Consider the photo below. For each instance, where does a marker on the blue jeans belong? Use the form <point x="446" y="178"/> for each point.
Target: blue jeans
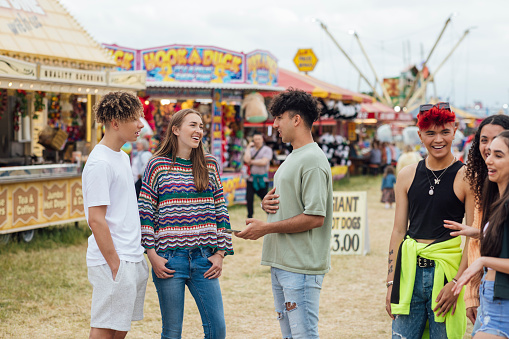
<point x="297" y="299"/>
<point x="189" y="266"/>
<point x="412" y="326"/>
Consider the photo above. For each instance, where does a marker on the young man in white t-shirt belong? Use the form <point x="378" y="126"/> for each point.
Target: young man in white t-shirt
<point x="117" y="268"/>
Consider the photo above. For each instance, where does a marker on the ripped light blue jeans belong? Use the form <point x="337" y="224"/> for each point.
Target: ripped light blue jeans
<point x="296" y="300"/>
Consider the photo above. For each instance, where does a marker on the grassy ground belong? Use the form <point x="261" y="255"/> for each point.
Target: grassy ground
<point x="45" y="293"/>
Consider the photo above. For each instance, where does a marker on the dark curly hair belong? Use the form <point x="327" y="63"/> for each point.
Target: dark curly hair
<point x="121" y="106"/>
<point x="477" y="171"/>
<point x="296" y="101"/>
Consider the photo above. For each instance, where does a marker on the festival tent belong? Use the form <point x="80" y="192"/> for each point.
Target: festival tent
<point x="34" y="31"/>
<point x="319" y="88"/>
<point x="380" y="112"/>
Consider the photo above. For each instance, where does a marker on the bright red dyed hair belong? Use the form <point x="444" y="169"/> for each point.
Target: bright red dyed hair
<point x="434" y="117"/>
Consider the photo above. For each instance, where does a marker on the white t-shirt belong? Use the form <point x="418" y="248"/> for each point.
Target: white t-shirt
<point x="107" y="180"/>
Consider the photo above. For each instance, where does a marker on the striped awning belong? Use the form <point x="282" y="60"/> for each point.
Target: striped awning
<point x="319" y="88"/>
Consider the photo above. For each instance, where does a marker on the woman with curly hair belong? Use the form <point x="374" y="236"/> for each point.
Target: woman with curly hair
<point x="476" y="174"/>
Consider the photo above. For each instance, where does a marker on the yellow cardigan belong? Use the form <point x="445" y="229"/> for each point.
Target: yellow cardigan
<point x="447" y="257"/>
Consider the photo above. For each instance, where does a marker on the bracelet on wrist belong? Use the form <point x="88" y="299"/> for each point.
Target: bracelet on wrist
<point x="454" y="281"/>
<point x="220" y="254"/>
<point x="389" y="283"/>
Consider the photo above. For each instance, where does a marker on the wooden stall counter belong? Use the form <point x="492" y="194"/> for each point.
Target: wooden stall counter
<point x="38" y="196"/>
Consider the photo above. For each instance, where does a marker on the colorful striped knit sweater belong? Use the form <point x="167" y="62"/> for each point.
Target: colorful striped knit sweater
<point x="174" y="215"/>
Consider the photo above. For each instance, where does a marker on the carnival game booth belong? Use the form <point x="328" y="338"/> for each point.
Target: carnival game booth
<point x="51" y="74"/>
<point x="375" y="121"/>
<point x="335" y="127"/>
<point x="214" y="81"/>
<point x="374" y="114"/>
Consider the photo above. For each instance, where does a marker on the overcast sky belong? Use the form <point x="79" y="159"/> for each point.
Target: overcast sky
<point x="394" y="34"/>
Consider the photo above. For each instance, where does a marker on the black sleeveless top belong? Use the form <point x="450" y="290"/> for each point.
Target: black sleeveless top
<point x="428" y="212"/>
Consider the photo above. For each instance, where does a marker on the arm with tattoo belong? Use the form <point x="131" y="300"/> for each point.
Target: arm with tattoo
<point x="400" y="227"/>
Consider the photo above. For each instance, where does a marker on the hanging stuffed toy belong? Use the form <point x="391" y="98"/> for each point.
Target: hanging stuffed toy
<point x="254" y="108"/>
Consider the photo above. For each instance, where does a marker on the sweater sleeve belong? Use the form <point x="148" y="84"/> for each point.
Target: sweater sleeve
<point x="147" y="204"/>
<point x="224" y="240"/>
<point x="474" y="252"/>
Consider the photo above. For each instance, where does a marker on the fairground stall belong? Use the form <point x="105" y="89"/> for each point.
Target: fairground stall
<point x="217" y="82"/>
<point x="335" y="128"/>
<point x="375" y="121"/>
<point x="51" y="74"/>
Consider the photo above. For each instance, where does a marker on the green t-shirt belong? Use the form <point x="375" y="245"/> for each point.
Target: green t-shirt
<point x="304" y="183"/>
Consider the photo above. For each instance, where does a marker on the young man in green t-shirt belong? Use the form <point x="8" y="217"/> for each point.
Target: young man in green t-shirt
<point x="298" y="230"/>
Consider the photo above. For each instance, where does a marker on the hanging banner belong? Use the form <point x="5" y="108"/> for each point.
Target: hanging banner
<point x="234" y="188"/>
<point x="216" y="135"/>
<point x="350" y="223"/>
<point x="392" y="87"/>
<point x="125" y="58"/>
<point x="262" y="68"/>
<point x="193" y="64"/>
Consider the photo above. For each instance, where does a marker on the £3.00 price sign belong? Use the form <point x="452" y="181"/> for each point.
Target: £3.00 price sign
<point x="350" y="223"/>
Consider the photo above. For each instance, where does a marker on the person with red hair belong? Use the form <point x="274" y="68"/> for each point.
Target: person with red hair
<point x="425" y="261"/>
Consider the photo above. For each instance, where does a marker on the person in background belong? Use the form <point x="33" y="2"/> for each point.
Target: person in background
<point x="493" y="312"/>
<point x="375" y="156"/>
<point x="117" y="268"/>
<point x="388" y="181"/>
<point x="297" y="233"/>
<point x="476" y="175"/>
<point x="139" y="162"/>
<point x="388" y="154"/>
<point x="184" y="224"/>
<point x="257" y="157"/>
<point x="409" y="157"/>
<point x="395" y="154"/>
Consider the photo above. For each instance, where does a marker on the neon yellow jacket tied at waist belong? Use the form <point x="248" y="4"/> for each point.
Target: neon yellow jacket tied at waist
<point x="447" y="257"/>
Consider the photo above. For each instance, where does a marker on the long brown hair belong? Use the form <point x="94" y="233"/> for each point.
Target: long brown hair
<point x="169" y="146"/>
<point x="495" y="211"/>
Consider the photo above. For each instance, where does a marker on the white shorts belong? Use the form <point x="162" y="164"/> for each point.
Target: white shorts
<point x="115" y="303"/>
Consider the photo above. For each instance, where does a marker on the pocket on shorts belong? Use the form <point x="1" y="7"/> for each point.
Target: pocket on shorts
<point x="488" y="291"/>
<point x="119" y="272"/>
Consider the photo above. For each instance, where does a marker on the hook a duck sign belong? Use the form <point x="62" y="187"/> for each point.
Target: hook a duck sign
<point x="187" y="63"/>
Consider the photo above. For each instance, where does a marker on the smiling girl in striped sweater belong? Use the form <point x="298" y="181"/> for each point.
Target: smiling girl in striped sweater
<point x="183" y="220"/>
